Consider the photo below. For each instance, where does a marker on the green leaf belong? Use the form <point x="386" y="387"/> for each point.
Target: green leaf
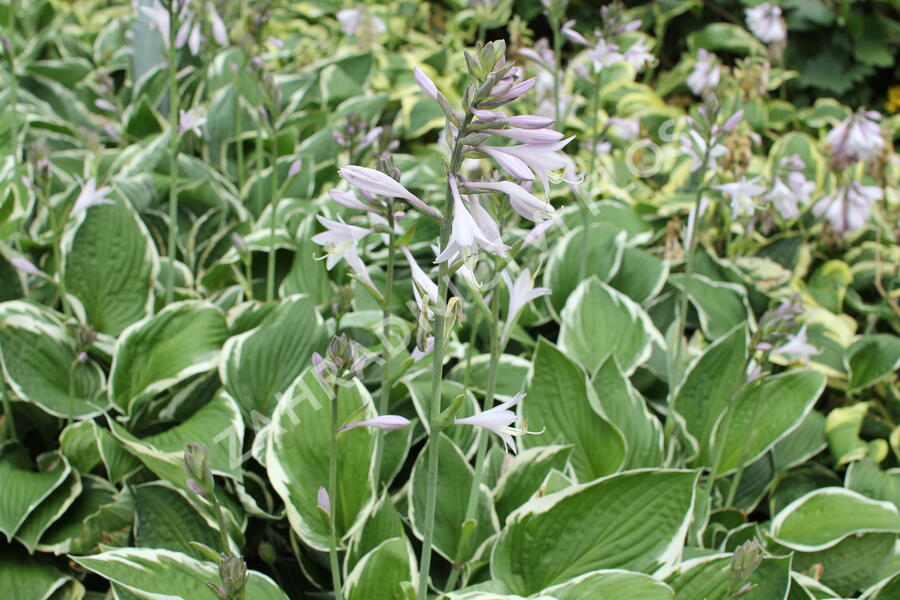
<point x="522" y="479"/>
<point x="763" y="415"/>
<point x="381" y="571"/>
<point x="720" y="306"/>
<point x="710" y="383"/>
<point x="801" y="525"/>
<point x="559" y="402"/>
<point x="709" y="577"/>
<point x="49" y="511"/>
<point x="297" y="455"/>
<point x="454" y="483"/>
<point x="842" y="427"/>
<point x="381" y="523"/>
<point x="612" y="584"/>
<point x="641" y="275"/>
<point x="604" y="246"/>
<point x="728" y="37"/>
<point x="38" y="354"/>
<point x="867" y="478"/>
<point x="871" y="358"/>
<point x="828" y="285"/>
<point x="512" y="372"/>
<point x="599" y="321"/>
<point x="260" y="364"/>
<point x="24" y="489"/>
<point x="638" y="521"/>
<point x="165" y="519"/>
<point x="110" y="265"/>
<point x="855" y="563"/>
<point x="183" y="339"/>
<point x="166" y="574"/>
<point x="24" y="577"/>
<point x="625" y="408"/>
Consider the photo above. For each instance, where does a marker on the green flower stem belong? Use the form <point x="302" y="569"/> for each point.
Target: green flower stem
<point x="472" y="503"/>
<point x="173" y="151"/>
<point x="384" y="399"/>
<point x="13" y="93"/>
<point x="332" y="493"/>
<point x="276" y="198"/>
<point x="220" y="519"/>
<point x="437" y="366"/>
<point x="56" y="233"/>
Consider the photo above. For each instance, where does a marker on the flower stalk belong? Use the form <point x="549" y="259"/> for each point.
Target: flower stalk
<point x="172" y="52"/>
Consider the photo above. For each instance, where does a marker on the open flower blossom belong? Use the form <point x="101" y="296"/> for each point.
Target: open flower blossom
<point x="766" y="22"/>
<point x="355" y="21"/>
<point x="341" y="240"/>
<point x="188" y="121"/>
<point x="523" y="202"/>
<point x="375" y="182"/>
<point x="384" y="422"/>
<point x="521" y="292"/>
<point x="189" y="32"/>
<point x="797" y="346"/>
<point x="90" y="196"/>
<point x="525" y="161"/>
<point x="787" y="197"/>
<point x="849" y="207"/>
<point x="423" y="286"/>
<point x="498" y="420"/>
<point x="638" y="55"/>
<point x="467" y="235"/>
<point x="856" y="138"/>
<point x="741" y="193"/>
<point x="26" y="266"/>
<point x="706" y="74"/>
<point x="694" y="146"/>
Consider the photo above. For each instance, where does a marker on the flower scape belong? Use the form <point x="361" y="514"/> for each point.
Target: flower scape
<point x="488" y="300"/>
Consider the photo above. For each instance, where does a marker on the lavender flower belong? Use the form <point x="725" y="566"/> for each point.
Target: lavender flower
<point x="521" y="292"/>
<point x="385" y="423"/>
<point x="323" y="501"/>
<point x="467" y="235"/>
<point x="706" y="74"/>
<point x="638" y="54"/>
<point x="523" y="202"/>
<point x="90" y="196"/>
<point x="694" y="146"/>
<point x="797" y="346"/>
<point x="340" y="241"/>
<point x="26" y="266"/>
<point x="187" y="121"/>
<point x="526" y="160"/>
<point x="741" y="193"/>
<point x="766" y="23"/>
<point x="849" y="207"/>
<point x="359" y="20"/>
<point x="498" y="421"/>
<point x="375" y="182"/>
<point x="856" y="138"/>
<point x="786" y="197"/>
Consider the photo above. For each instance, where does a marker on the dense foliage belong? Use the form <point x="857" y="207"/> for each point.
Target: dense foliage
<point x="468" y="300"/>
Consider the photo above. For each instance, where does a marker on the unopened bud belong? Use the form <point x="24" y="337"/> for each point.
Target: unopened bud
<point x="196" y="464"/>
<point x="747" y="557"/>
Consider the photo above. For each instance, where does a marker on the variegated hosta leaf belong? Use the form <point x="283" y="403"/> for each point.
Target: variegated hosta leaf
<point x="23" y="576"/>
<point x="24" y="488"/>
<point x="612" y="583"/>
<point x="709" y="577"/>
<point x="381" y="572"/>
<point x="183" y="339"/>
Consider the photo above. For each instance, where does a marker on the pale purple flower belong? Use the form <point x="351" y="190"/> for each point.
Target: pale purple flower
<point x="294" y="169"/>
<point x="189" y="33"/>
<point x="340" y="241"/>
<point x="529" y="122"/>
<point x="90" y="196"/>
<point x="858" y="137"/>
<point x="26" y="266"/>
<point x="695" y="146"/>
<point x="528" y="136"/>
<point x="159" y="18"/>
<point x="355" y="21"/>
<point x="348" y="200"/>
<point x="385" y="423"/>
<point x="425" y="83"/>
<point x="323" y="501"/>
<point x="731" y="123"/>
<point x="786" y="197"/>
<point x="219" y="31"/>
<point x="498" y="420"/>
<point x="604" y="54"/>
<point x="522" y="201"/>
<point x="423" y="286"/>
<point x="104" y="104"/>
<point x="627" y="129"/>
<point x="849" y="207"/>
<point x="706" y="74"/>
<point x="521" y="160"/>
<point x="521" y="292"/>
<point x="375" y="182"/>
<point x="766" y="23"/>
<point x="797" y="346"/>
<point x="741" y="193"/>
<point x="418" y="354"/>
<point x="466" y="235"/>
<point x="188" y="121"/>
<point x="638" y="55"/>
<point x="572" y="35"/>
<point x="538" y="233"/>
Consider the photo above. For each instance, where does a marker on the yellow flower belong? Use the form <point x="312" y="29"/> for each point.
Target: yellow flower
<point x="893" y="101"/>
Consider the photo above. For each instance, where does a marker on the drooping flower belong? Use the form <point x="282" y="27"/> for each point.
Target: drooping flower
<point x="787" y="197"/>
<point x="323" y="501"/>
<point x="706" y="74"/>
<point x="498" y="421"/>
<point x="522" y="160"/>
<point x="638" y="55"/>
<point x="385" y="423"/>
<point x="466" y="235"/>
<point x="26" y="266"/>
<point x="422" y="284"/>
<point x="219" y="31"/>
<point x="766" y="23"/>
<point x="849" y="207"/>
<point x="604" y="54"/>
<point x="340" y="240"/>
<point x="187" y="121"/>
<point x="797" y="346"/>
<point x="375" y="182"/>
<point x="90" y="196"/>
<point x="522" y="201"/>
<point x="521" y="292"/>
<point x="355" y="21"/>
<point x="742" y="193"/>
<point x="856" y="138"/>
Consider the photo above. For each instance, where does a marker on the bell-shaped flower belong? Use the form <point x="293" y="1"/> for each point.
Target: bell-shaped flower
<point x="423" y="286"/>
<point x="188" y="121"/>
<point x="638" y="55"/>
<point x="766" y="23"/>
<point x="787" y="197"/>
<point x="741" y="193"/>
<point x="384" y="422"/>
<point x="523" y="202"/>
<point x="858" y="137"/>
<point x="26" y="266"/>
<point x="359" y="20"/>
<point x="521" y="161"/>
<point x="340" y="240"/>
<point x="219" y="31"/>
<point x="189" y="33"/>
<point x="375" y="182"/>
<point x="849" y="207"/>
<point x="528" y="136"/>
<point x="425" y="83"/>
<point x="498" y="420"/>
<point x="797" y="346"/>
<point x="706" y="74"/>
<point x="467" y="235"/>
<point x="90" y="196"/>
<point x="604" y="54"/>
<point x="521" y="292"/>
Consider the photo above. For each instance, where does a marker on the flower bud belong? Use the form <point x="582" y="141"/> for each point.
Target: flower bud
<point x="747" y="557"/>
<point x="196" y="464"/>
